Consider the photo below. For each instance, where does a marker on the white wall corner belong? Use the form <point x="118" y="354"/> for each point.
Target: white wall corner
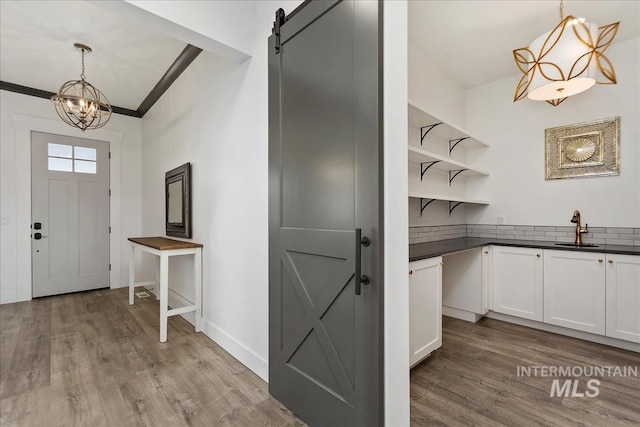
<point x="396" y="245"/>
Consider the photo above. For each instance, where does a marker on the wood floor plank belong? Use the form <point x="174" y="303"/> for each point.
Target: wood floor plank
<point x="473" y="379"/>
<point x="11" y="316"/>
<point x="30" y="366"/>
<point x="31" y="408"/>
<point x="90" y="359"/>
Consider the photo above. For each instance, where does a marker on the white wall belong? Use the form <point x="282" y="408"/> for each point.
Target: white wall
<point x="434" y="89"/>
<point x="396" y="238"/>
<point x="443" y="97"/>
<point x="517" y="188"/>
<point x="216" y="117"/>
<point x="19" y="115"/>
<point x="216" y="26"/>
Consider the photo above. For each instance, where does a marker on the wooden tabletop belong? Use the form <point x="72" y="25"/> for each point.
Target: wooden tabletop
<point x="164" y="244"/>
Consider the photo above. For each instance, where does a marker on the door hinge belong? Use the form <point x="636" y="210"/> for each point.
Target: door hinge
<point x="280" y="19"/>
<point x="109" y="267"/>
<point x="109" y="229"/>
<point x="109" y="155"/>
<point x="109" y="192"/>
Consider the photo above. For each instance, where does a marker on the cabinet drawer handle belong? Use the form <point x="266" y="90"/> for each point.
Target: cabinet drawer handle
<point x="538" y="255"/>
<point x="600" y="259"/>
<point x="486" y="252"/>
<point x="410" y="272"/>
<point x="610" y="261"/>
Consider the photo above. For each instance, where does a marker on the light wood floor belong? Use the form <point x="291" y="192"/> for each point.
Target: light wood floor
<point x="472" y="380"/>
<point x="90" y="359"/>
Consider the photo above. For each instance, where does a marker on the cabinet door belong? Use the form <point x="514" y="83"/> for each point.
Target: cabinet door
<point x="623" y="297"/>
<point x="517" y="282"/>
<point x="462" y="281"/>
<point x="425" y="307"/>
<point x="574" y="290"/>
<point x="486" y="281"/>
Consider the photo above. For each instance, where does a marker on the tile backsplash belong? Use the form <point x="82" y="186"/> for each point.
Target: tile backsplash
<point x="601" y="235"/>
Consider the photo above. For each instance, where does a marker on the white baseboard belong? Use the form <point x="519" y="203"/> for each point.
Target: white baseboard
<point x="241" y="352"/>
<point x="613" y="342"/>
<point x="460" y="314"/>
<point x="245" y="355"/>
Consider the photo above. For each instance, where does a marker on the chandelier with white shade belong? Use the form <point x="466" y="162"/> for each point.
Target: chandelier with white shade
<point x="565" y="61"/>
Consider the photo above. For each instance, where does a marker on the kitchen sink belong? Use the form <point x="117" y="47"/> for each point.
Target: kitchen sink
<point x="581" y="245"/>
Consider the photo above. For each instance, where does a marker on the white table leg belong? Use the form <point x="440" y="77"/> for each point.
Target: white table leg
<point x="164" y="295"/>
<point x="132" y="271"/>
<point x="157" y="284"/>
<point x="197" y="276"/>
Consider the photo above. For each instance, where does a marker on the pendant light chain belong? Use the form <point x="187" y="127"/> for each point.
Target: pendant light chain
<point x="561" y="11"/>
<point x="82" y="74"/>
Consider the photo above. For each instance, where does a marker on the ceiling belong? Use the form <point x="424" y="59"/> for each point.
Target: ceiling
<point x="36" y="47"/>
<point x="471" y="40"/>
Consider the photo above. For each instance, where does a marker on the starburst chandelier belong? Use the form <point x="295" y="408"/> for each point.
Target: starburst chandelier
<point x="79" y="103"/>
<point x="565" y="61"/>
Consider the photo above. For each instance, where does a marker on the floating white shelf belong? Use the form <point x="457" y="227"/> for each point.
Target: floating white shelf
<point x="420" y="118"/>
<point x="417" y="195"/>
<point x="418" y="155"/>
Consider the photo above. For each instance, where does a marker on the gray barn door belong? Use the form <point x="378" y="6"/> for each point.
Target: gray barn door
<point x="325" y="320"/>
<point x="70" y="214"/>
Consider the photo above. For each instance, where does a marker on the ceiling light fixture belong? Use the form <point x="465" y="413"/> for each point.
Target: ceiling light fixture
<point x="565" y="61"/>
<point x="79" y="103"/>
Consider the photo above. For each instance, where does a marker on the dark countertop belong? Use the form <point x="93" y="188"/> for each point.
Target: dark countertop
<point x="420" y="251"/>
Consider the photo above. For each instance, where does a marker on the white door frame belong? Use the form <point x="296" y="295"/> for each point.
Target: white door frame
<point x="24" y="125"/>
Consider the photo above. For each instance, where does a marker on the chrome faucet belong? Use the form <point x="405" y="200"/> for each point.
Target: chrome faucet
<point x="579" y="230"/>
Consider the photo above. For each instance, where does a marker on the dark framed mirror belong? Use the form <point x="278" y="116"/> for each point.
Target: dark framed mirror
<point x="177" y="192"/>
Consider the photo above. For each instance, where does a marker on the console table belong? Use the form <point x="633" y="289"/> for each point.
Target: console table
<point x="165" y="248"/>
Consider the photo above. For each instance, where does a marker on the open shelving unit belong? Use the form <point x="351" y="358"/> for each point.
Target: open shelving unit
<point x="426" y="199"/>
<point x="450" y="138"/>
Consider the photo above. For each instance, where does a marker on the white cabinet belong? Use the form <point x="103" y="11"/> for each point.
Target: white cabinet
<point x="623" y="297"/>
<point x="487" y="279"/>
<point x="425" y="307"/>
<point x="464" y="284"/>
<point x="574" y="290"/>
<point x="517" y="282"/>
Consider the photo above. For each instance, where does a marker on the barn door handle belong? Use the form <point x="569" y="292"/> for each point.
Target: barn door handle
<point x="360" y="278"/>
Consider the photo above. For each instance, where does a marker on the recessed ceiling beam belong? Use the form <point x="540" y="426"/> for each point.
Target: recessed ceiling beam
<point x="38" y="93"/>
<point x="181" y="63"/>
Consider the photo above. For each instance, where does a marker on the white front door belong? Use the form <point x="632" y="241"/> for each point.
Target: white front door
<point x="69" y="214"/>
